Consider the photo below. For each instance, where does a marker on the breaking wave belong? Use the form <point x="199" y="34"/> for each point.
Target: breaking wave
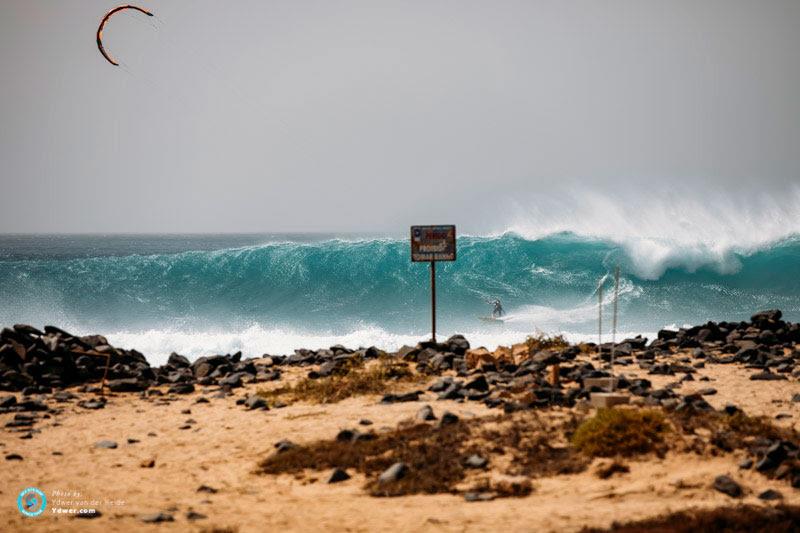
<point x="283" y="293"/>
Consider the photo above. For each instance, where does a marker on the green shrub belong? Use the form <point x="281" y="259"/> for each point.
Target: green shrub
<point x="623" y="432"/>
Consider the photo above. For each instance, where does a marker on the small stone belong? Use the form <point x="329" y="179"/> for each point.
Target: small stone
<point x="181" y="388"/>
<point x="13" y="457"/>
<point x="770" y="495"/>
<point x="747" y="464"/>
<point x="707" y="392"/>
<point x="186" y="411"/>
<point x="397" y="398"/>
<point x="426" y="413"/>
<point x="207" y="489"/>
<point x="7" y="401"/>
<point x="132" y="441"/>
<point x="126" y="385"/>
<point x="108" y="444"/>
<point x="773" y="458"/>
<point x="20" y="423"/>
<point x="475" y="461"/>
<point x="148" y="463"/>
<point x="448" y="418"/>
<point x="255" y="402"/>
<point x="365" y="422"/>
<point x="201" y="399"/>
<point x="767" y="376"/>
<point x="478" y="496"/>
<point x="731" y="409"/>
<point x="338" y="475"/>
<point x="32" y="405"/>
<point x="394" y="473"/>
<point x="194" y="515"/>
<point x="284" y="445"/>
<point x="233" y="381"/>
<point x="478" y="384"/>
<point x="726" y="485"/>
<point x="155" y="518"/>
<point x="346" y="435"/>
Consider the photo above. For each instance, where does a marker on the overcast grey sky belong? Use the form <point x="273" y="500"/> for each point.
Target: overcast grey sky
<point x="369" y="116"/>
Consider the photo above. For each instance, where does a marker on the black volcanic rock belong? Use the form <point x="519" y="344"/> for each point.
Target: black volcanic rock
<point x="178" y="361"/>
<point x="181" y="388"/>
<point x="126" y="385"/>
<point x="726" y="485"/>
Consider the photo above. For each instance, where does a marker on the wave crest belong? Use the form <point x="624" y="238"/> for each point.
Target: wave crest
<point x="667" y="229"/>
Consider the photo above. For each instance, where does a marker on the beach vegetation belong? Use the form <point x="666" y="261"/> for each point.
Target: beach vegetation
<point x="541" y="341"/>
<point x="431" y="453"/>
<point x="380" y="377"/>
<point x="730" y="519"/>
<point x="519" y="446"/>
<point x="729" y="432"/>
<point x="621" y="432"/>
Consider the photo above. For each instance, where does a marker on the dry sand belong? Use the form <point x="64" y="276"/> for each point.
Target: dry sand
<point x="224" y="445"/>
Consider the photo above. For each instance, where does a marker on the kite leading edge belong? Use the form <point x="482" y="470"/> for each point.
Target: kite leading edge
<point x="103" y="23"/>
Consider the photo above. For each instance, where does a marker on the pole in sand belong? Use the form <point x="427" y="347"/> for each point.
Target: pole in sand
<point x="433" y="301"/>
<point x="614" y="326"/>
<point x="600" y="315"/>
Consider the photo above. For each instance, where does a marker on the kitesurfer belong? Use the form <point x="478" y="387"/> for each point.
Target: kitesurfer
<point x="497" y="310"/>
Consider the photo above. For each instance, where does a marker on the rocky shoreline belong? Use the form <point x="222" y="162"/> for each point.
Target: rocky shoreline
<point x="39" y="362"/>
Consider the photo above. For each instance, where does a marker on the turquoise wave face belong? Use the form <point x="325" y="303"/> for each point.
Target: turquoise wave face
<point x="338" y="285"/>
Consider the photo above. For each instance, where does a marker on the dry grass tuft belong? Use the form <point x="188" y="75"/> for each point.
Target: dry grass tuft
<point x="378" y="378"/>
<point x="739" y="519"/>
<point x="432" y="454"/>
<point x="585" y="348"/>
<point x="541" y="341"/>
<point x="504" y="488"/>
<point x="624" y="432"/>
<point x="532" y="445"/>
<point x="436" y="457"/>
<point x="729" y="432"/>
<point x="753" y="426"/>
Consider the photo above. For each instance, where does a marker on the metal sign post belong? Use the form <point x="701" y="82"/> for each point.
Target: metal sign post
<point x="433" y="301"/>
<point x="430" y="244"/>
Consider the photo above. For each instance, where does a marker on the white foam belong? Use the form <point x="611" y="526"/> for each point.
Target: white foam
<point x="255" y="340"/>
<point x="668" y="228"/>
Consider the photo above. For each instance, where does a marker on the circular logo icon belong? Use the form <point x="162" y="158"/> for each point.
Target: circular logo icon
<point x="31" y="502"/>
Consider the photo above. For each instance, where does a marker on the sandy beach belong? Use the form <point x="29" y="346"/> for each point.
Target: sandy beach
<point x="194" y="458"/>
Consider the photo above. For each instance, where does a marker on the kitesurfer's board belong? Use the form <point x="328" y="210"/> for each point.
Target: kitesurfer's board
<point x="490" y="319"/>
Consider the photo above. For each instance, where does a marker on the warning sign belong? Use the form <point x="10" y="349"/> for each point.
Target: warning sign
<point x="433" y="243"/>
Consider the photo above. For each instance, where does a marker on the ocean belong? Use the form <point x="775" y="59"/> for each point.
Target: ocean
<point x="272" y="293"/>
